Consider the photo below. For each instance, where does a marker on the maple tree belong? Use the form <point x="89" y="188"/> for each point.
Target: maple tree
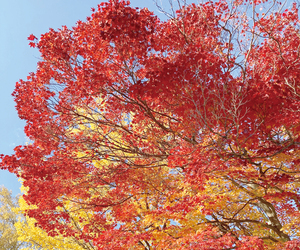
<point x="177" y="134"/>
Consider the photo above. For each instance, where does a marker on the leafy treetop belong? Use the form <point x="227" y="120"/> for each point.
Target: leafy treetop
<point x="181" y="134"/>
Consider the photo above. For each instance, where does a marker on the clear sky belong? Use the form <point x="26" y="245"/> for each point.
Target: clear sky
<point x="19" y="19"/>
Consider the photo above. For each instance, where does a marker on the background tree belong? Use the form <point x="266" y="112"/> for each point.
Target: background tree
<point x="179" y="134"/>
<point x="8" y="217"/>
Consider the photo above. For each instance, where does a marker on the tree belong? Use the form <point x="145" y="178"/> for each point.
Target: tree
<point x="181" y="134"/>
<point x="8" y="217"/>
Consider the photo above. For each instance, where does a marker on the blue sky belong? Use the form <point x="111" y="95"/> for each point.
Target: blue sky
<point x="19" y="19"/>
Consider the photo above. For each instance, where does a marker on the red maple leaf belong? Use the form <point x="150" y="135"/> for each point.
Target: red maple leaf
<point x="31" y="37"/>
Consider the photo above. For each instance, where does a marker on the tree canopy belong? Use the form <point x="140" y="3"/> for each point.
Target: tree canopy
<point x="177" y="134"/>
